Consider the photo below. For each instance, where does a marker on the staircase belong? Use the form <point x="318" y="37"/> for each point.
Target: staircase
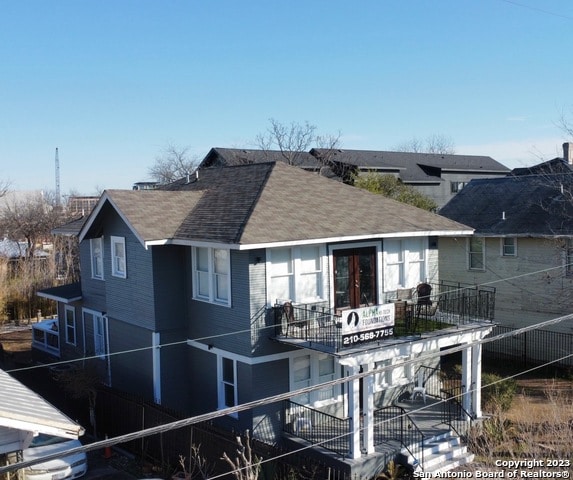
<point x="441" y="454"/>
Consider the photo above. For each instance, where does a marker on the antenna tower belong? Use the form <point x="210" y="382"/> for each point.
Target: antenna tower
<point x="57" y="178"/>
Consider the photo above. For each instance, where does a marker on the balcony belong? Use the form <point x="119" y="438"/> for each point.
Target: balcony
<point x="450" y="305"/>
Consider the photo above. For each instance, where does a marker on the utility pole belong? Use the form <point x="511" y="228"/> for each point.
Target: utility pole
<point x="57" y="178"/>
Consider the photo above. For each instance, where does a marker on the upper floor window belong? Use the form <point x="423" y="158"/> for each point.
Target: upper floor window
<point x="96" y="248"/>
<point x="455" y="187"/>
<point x="405" y="262"/>
<point x="212" y="275"/>
<point x="227" y="391"/>
<point x="509" y="247"/>
<point x="70" y="325"/>
<point x="296" y="273"/>
<point x="118" y="257"/>
<point x="476" y="253"/>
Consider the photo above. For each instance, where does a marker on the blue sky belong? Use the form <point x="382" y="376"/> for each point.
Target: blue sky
<point x="111" y="83"/>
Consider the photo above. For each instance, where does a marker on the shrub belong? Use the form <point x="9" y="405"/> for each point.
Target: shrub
<point x="498" y="393"/>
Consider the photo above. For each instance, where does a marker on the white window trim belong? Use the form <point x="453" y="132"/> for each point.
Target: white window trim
<point x="315" y="379"/>
<point x="210" y="298"/>
<point x="405" y="262"/>
<point x="99" y="259"/>
<point x="115" y="271"/>
<point x="297" y="274"/>
<point x="103" y="350"/>
<point x="221" y="385"/>
<point x="68" y="308"/>
<point x="502" y="247"/>
<point x="475" y="269"/>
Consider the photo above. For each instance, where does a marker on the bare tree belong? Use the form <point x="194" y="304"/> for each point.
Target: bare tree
<point x="294" y="139"/>
<point x="28" y="225"/>
<point x="174" y="163"/>
<point x="246" y="465"/>
<point x="433" y="144"/>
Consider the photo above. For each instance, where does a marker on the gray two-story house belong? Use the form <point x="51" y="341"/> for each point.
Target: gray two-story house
<point x="241" y="283"/>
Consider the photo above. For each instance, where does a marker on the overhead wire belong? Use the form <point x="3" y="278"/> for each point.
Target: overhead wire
<point x="247" y="330"/>
<point x="279" y="397"/>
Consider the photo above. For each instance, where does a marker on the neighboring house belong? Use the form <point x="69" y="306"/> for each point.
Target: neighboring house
<point x="245" y="282"/>
<point x="24" y="414"/>
<point x="438" y="176"/>
<point x="523" y="242"/>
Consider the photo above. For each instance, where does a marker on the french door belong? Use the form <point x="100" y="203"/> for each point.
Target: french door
<point x="354" y="277"/>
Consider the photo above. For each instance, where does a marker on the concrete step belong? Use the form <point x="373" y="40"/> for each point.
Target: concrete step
<point x="440" y="454"/>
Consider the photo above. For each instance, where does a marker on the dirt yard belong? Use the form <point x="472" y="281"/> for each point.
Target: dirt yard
<point x="17" y="345"/>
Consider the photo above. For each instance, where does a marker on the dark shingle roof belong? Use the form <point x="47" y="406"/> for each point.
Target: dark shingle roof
<point x="267" y="203"/>
<point x="526" y="205"/>
<point x="557" y="165"/>
<point x="218" y="157"/>
<point x="63" y="293"/>
<point x="414" y="167"/>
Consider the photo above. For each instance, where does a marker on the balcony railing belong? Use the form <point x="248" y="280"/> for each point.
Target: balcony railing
<point x="317" y="427"/>
<point x="46" y="337"/>
<point x="450" y="305"/>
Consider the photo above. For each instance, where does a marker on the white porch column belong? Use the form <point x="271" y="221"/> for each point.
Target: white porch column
<point x="476" y="377"/>
<point x="354" y="413"/>
<point x="368" y="407"/>
<point x="156" y="366"/>
<point x="466" y="378"/>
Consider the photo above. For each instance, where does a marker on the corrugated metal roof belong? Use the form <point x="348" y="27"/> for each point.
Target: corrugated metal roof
<point x="23" y="409"/>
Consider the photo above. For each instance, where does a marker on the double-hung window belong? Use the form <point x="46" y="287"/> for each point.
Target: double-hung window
<point x="405" y="262"/>
<point x="212" y="275"/>
<point x="227" y="373"/>
<point x="476" y="253"/>
<point x="307" y="370"/>
<point x="96" y="248"/>
<point x="118" y="257"/>
<point x="295" y="274"/>
<point x="100" y="334"/>
<point x="509" y="246"/>
<point x="70" y="315"/>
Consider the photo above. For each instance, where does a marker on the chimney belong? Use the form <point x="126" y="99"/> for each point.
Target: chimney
<point x="568" y="152"/>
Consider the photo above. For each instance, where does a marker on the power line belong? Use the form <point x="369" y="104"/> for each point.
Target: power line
<point x="279" y="397"/>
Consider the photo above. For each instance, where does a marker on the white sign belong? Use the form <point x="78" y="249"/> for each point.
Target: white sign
<point x="367" y="324"/>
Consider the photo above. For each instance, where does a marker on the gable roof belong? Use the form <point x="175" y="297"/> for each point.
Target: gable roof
<point x="523" y="205"/>
<point x="556" y="165"/>
<point x="414" y="167"/>
<point x="251" y="205"/>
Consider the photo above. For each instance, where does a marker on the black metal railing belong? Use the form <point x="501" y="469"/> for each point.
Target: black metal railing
<point x="450" y="305"/>
<point x="393" y="423"/>
<point x="317" y="427"/>
<point x="312" y="324"/>
<point x="453" y="413"/>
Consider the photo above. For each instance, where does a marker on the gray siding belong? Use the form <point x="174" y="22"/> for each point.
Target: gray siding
<point x="202" y="381"/>
<point x="227" y="328"/>
<point x="129" y="299"/>
<point x="269" y="379"/>
<point x="131" y="371"/>
<point x="533" y="288"/>
<point x="170" y="264"/>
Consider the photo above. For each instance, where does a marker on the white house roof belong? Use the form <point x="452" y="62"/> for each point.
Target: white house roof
<point x="22" y="409"/>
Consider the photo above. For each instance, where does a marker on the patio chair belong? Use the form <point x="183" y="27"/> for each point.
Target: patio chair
<point x="419" y="389"/>
<point x="425" y="306"/>
<point x="291" y="321"/>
